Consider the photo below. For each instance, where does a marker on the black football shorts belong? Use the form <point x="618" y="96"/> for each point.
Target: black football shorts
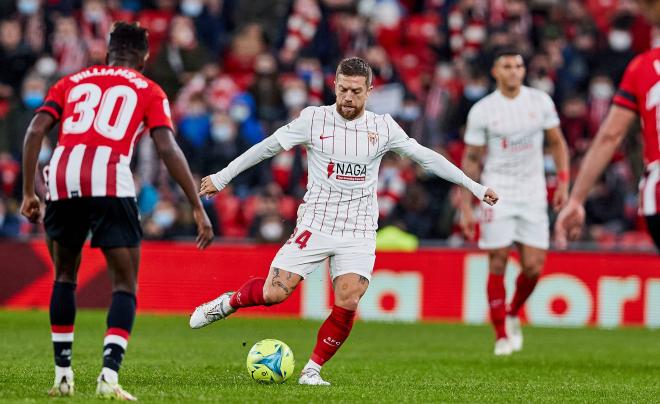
<point x="113" y="222"/>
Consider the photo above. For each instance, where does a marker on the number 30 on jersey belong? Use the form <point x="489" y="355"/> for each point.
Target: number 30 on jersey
<point x="87" y="97"/>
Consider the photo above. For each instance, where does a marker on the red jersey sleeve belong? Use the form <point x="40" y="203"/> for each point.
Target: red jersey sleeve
<point x="627" y="95"/>
<point x="55" y="100"/>
<point x="158" y="111"/>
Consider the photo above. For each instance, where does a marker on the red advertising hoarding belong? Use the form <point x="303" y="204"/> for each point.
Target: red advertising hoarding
<point x="576" y="289"/>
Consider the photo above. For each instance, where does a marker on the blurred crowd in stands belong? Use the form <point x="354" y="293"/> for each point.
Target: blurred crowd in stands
<point x="236" y="70"/>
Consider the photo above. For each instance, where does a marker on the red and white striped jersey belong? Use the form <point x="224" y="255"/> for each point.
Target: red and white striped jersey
<point x="639" y="91"/>
<point x="103" y="111"/>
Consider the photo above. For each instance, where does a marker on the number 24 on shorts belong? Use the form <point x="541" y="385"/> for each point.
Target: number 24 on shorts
<point x="302" y="238"/>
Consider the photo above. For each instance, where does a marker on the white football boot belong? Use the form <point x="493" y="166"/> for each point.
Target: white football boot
<point x="312" y="377"/>
<point x="112" y="391"/>
<point x="215" y="310"/>
<point x="503" y="347"/>
<point x="514" y="331"/>
<point x="63" y="385"/>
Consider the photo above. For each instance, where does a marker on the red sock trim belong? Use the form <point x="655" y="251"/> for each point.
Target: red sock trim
<point x="119" y="332"/>
<point x="63" y="329"/>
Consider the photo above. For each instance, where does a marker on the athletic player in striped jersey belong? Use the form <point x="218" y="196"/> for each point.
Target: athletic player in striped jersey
<point x="339" y="215"/>
<point x="509" y="127"/>
<point x="638" y="97"/>
<point x="103" y="111"/>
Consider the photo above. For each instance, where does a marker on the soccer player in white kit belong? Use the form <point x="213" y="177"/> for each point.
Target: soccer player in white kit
<point x="339" y="215"/>
<point x="507" y="127"/>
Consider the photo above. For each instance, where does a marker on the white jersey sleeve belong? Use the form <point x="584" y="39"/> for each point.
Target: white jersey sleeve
<point x="261" y="151"/>
<point x="475" y="132"/>
<point x="550" y="117"/>
<point x="434" y="162"/>
<point x="297" y="131"/>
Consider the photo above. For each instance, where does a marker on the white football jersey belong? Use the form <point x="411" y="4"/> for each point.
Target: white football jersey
<point x="513" y="131"/>
<point x="342" y="159"/>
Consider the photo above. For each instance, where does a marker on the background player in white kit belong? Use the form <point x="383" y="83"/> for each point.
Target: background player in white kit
<point x="339" y="215"/>
<point x="508" y="127"/>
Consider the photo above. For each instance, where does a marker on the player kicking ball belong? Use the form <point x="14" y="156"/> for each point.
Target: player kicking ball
<point x="339" y="215"/>
<point x="509" y="127"/>
<point x="103" y="111"/>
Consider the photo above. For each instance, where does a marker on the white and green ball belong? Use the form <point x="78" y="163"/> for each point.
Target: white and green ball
<point x="270" y="361"/>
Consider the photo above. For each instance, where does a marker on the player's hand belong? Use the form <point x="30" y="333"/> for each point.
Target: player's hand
<point x="204" y="228"/>
<point x="491" y="197"/>
<point x="569" y="223"/>
<point x="207" y="188"/>
<point x="468" y="223"/>
<point x="560" y="197"/>
<point x="31" y="208"/>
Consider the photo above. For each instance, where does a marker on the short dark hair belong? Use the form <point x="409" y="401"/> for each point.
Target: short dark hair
<point x="506" y="52"/>
<point x="355" y="66"/>
<point x="128" y="40"/>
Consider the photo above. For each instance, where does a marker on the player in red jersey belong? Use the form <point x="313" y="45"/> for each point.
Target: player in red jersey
<point x="103" y="111"/>
<point x="638" y="96"/>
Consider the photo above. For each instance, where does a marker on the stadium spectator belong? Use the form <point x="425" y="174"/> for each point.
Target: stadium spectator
<point x="16" y="58"/>
<point x="430" y="57"/>
<point x="9" y="222"/>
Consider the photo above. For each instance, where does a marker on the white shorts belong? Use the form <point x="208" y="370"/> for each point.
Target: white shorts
<point x="308" y="248"/>
<point x="505" y="223"/>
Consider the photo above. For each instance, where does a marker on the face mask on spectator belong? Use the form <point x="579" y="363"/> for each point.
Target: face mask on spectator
<point x="93" y="15"/>
<point x="544" y="84"/>
<point x="306" y="75"/>
<point x="28" y="7"/>
<point x="474" y="91"/>
<point x="601" y="91"/>
<point x="184" y="37"/>
<point x="271" y="230"/>
<point x="163" y="218"/>
<point x="44" y="154"/>
<point x="222" y="132"/>
<point x="410" y="113"/>
<point x="192" y="8"/>
<point x="294" y="97"/>
<point x="620" y="40"/>
<point x="33" y="99"/>
<point x="46" y="67"/>
<point x="239" y="112"/>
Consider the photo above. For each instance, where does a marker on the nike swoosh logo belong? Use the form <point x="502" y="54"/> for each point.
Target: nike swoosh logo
<point x="325" y="137"/>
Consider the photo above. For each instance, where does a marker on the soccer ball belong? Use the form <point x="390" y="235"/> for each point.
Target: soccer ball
<point x="270" y="361"/>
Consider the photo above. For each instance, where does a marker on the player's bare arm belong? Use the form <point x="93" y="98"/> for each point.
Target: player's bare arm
<point x="177" y="166"/>
<point x="609" y="137"/>
<point x="40" y="125"/>
<point x="559" y="150"/>
<point x="471" y="166"/>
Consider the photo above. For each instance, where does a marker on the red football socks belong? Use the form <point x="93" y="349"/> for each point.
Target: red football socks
<point x="497" y="303"/>
<point x="250" y="294"/>
<point x="332" y="334"/>
<point x="524" y="287"/>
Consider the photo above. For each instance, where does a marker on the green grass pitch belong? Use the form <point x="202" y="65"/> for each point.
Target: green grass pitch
<point x="168" y="362"/>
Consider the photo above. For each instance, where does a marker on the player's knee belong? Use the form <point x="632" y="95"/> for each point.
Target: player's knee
<point x="349" y="299"/>
<point x="497" y="263"/>
<point x="274" y="295"/>
<point x="532" y="266"/>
